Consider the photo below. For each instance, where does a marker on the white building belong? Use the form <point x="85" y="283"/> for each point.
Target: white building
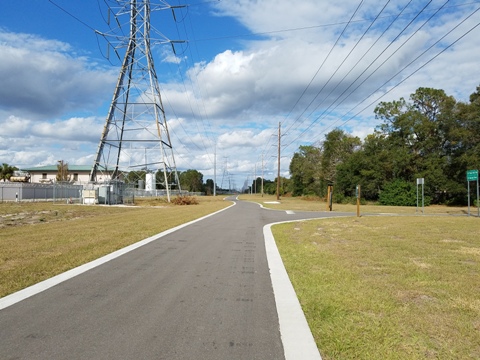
<point x="78" y="174"/>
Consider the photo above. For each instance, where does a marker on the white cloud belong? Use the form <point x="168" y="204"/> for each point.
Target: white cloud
<point x="77" y="129"/>
<point x="242" y="138"/>
<point x="28" y="142"/>
<point x="241" y="93"/>
<point x="40" y="78"/>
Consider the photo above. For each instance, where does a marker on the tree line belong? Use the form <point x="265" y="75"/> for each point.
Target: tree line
<point x="430" y="136"/>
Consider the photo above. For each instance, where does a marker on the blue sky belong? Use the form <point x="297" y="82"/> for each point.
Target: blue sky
<point x="245" y="66"/>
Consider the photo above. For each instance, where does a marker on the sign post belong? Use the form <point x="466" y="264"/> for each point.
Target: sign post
<point x="421" y="181"/>
<point x="472" y="175"/>
<point x="357" y="193"/>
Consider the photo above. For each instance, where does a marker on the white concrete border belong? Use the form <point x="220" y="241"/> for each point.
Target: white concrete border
<point x="297" y="339"/>
<point x="46" y="284"/>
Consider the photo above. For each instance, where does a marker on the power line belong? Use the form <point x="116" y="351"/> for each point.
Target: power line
<point x="421" y="67"/>
<point x="408" y="65"/>
<point x="319" y="68"/>
<point x="303" y="28"/>
<point x="378" y="56"/>
<point x="71" y="15"/>
<point x="338" y="67"/>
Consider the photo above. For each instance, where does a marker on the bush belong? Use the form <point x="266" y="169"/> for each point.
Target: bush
<point x="339" y="198"/>
<point x="185" y="200"/>
<point x="401" y="193"/>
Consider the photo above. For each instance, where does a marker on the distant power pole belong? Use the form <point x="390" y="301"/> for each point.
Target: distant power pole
<point x="278" y="174"/>
<point x="262" y="174"/>
<point x="255" y="177"/>
<point x="136" y="122"/>
<point x="215" y="171"/>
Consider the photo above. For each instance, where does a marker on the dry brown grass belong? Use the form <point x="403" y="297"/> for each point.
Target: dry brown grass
<point x="40" y="240"/>
<point x="299" y="203"/>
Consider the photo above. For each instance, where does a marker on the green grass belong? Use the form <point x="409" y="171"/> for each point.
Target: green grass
<point x="387" y="287"/>
<point x="40" y="240"/>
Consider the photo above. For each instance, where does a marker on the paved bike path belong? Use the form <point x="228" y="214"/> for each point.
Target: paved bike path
<point x="203" y="291"/>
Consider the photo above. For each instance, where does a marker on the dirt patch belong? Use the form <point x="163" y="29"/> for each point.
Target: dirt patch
<point x="37" y="217"/>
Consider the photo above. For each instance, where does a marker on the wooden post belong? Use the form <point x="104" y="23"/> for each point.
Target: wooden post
<point x="329" y="197"/>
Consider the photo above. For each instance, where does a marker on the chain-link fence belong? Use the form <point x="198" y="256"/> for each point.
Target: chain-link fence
<point x="11" y="191"/>
<point x="109" y="193"/>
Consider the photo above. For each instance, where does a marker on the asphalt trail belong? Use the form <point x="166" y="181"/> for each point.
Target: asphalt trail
<point x="201" y="292"/>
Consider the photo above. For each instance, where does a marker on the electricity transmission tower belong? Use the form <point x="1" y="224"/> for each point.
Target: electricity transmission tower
<point x="225" y="174"/>
<point x="136" y="127"/>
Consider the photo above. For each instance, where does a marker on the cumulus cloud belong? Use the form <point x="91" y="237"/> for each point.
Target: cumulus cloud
<point x="303" y="78"/>
<point x="27" y="142"/>
<point x="40" y="78"/>
<point x="268" y="77"/>
<point x="304" y="68"/>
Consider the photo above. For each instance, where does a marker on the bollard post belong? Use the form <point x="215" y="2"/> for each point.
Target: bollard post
<point x="358" y="200"/>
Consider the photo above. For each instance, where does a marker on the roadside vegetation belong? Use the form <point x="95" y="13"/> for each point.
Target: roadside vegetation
<point x="401" y="286"/>
<point x="40" y="240"/>
<point x="429" y="136"/>
<point x="387" y="287"/>
<point x="314" y="203"/>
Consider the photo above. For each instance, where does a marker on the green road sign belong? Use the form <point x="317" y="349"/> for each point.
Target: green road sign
<point x="472" y="175"/>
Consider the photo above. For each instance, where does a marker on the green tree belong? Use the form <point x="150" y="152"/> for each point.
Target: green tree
<point x="6" y="172"/>
<point x="257" y="185"/>
<point x="464" y="146"/>
<point x="191" y="180"/>
<point x="209" y="185"/>
<point x="171" y="179"/>
<point x="337" y="147"/>
<point x="305" y="171"/>
<point x="269" y="187"/>
<point x="418" y="134"/>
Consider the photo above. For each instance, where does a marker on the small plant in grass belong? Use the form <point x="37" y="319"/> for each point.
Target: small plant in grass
<point x="185" y="200"/>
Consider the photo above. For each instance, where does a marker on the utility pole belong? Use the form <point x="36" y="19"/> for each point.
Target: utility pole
<point x="136" y="120"/>
<point x="278" y="173"/>
<point x="255" y="179"/>
<point x="262" y="174"/>
<point x="215" y="170"/>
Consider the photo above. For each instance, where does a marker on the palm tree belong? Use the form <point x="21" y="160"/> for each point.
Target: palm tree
<point x="6" y="171"/>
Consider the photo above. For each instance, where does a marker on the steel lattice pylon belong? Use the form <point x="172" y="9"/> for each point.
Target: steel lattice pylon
<point x="136" y="128"/>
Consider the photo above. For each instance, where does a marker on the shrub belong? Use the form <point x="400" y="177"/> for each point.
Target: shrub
<point x="185" y="200"/>
<point x="400" y="193"/>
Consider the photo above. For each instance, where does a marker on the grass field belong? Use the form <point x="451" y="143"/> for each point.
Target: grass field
<point x="385" y="287"/>
<point x="40" y="240"/>
<point x="298" y="203"/>
<point x="371" y="287"/>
